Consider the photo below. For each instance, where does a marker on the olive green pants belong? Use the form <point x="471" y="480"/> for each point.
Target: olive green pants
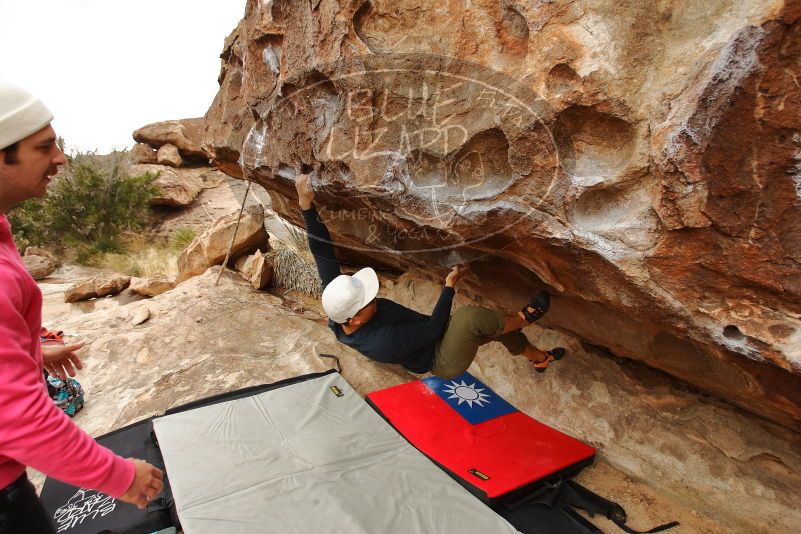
<point x="468" y="329"/>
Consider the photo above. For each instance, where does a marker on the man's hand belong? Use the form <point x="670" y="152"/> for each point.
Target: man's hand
<point x="305" y="192"/>
<point x="61" y="360"/>
<point x="146" y="485"/>
<point x="457" y="272"/>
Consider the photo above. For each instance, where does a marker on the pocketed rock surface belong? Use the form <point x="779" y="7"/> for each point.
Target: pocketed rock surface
<point x="665" y="452"/>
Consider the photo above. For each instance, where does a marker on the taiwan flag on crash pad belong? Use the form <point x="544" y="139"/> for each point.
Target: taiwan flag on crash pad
<point x="476" y="435"/>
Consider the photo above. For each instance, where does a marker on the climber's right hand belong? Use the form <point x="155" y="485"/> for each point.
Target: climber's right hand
<point x="305" y="192"/>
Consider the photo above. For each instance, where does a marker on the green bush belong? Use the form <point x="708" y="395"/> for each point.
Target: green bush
<point x="86" y="208"/>
<point x="27" y="224"/>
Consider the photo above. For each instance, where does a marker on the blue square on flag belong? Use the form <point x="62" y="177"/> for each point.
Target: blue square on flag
<point x="470" y="398"/>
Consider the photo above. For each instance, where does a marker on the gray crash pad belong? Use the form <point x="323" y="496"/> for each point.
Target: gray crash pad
<point x="308" y="457"/>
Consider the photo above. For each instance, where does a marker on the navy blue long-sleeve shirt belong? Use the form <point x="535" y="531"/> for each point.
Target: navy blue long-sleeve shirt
<point x="395" y="334"/>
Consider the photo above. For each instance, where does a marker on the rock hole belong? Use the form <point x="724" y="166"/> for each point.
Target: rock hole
<point x="781" y="331"/>
<point x="482" y="164"/>
<point x="304" y="114"/>
<point x="397" y="27"/>
<point x="278" y="11"/>
<point x="271" y="51"/>
<point x="286" y="171"/>
<point x="287" y="90"/>
<point x="611" y="207"/>
<point x="732" y="332"/>
<point x="308" y="89"/>
<point x="592" y="143"/>
<point x="513" y="31"/>
<point x="337" y="176"/>
<point x="361" y="23"/>
<point x="478" y="170"/>
<point x="562" y="79"/>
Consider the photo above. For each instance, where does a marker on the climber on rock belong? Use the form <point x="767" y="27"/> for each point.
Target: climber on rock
<point x="387" y="332"/>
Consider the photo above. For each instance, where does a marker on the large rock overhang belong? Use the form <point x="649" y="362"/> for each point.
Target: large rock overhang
<point x="642" y="167"/>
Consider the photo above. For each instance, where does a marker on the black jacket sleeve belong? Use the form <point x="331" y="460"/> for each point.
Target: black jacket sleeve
<point x="397" y="341"/>
<point x="321" y="246"/>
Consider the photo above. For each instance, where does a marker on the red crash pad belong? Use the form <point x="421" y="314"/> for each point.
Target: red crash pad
<point x="482" y="440"/>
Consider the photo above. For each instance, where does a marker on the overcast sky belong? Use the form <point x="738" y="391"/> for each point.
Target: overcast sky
<point x="107" y="67"/>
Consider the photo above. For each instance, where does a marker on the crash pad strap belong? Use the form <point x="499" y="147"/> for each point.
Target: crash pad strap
<point x="578" y="496"/>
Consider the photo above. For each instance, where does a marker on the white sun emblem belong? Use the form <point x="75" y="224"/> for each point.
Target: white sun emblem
<point x="469" y="394"/>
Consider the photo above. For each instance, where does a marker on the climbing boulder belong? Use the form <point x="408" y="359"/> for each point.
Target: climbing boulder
<point x="210" y="248"/>
<point x="186" y="135"/>
<point x="648" y="178"/>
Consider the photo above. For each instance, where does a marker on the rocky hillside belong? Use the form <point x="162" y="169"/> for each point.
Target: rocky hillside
<point x="637" y="159"/>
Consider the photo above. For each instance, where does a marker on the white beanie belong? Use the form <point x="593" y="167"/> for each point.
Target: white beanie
<point x="21" y="114"/>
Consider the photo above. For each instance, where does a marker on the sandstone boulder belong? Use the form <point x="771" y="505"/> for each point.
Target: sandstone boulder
<point x="185" y="134"/>
<point x="142" y="153"/>
<point x="151" y="286"/>
<point x="178" y="187"/>
<point x="80" y="291"/>
<point x="261" y="274"/>
<point x="111" y="285"/>
<point x="168" y="155"/>
<point x="39" y="267"/>
<point x="648" y="179"/>
<point x="211" y="247"/>
<point x="39" y="251"/>
<point x="97" y="287"/>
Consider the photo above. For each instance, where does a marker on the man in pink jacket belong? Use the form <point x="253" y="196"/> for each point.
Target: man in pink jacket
<point x="33" y="431"/>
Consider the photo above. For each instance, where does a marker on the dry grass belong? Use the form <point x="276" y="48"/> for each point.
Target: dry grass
<point x="143" y="257"/>
<point x="293" y="264"/>
<point x="182" y="237"/>
<point x="146" y="262"/>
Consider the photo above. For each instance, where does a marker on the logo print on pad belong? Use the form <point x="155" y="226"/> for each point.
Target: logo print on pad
<point x="470" y="398"/>
<point x="465" y="393"/>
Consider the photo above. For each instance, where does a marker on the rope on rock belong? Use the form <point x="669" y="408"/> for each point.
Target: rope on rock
<point x="233" y="237"/>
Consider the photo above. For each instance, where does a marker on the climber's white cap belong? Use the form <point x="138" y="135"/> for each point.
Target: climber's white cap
<point x="346" y="295"/>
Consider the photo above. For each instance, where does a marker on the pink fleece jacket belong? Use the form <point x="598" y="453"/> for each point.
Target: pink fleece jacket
<point x="33" y="431"/>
